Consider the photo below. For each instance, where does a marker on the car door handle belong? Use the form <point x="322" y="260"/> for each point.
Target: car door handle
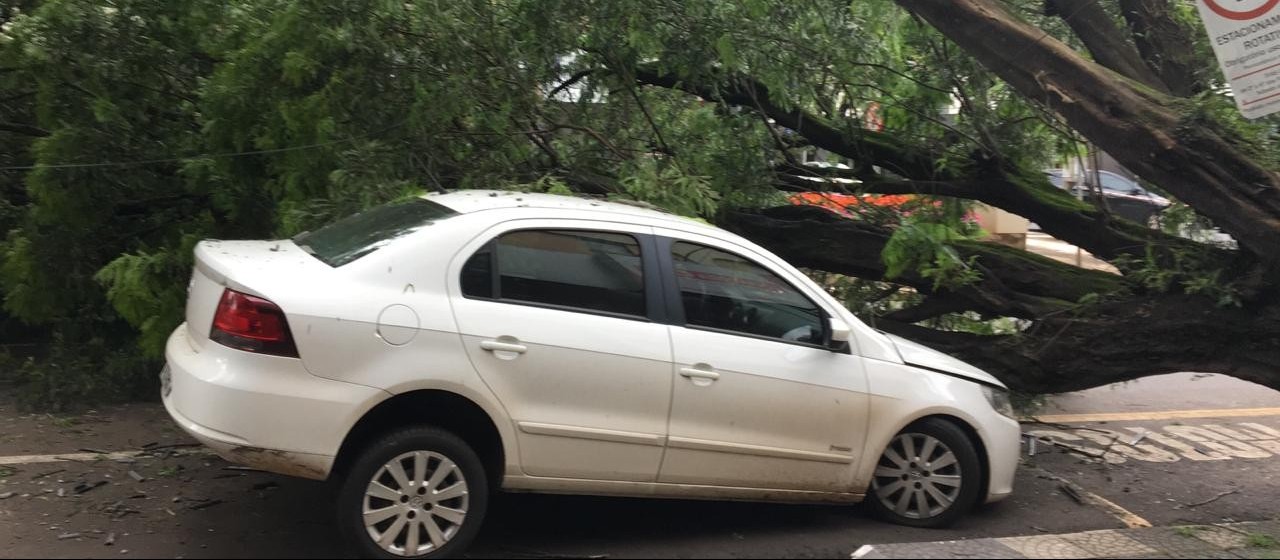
<point x="694" y="373"/>
<point x="495" y="346"/>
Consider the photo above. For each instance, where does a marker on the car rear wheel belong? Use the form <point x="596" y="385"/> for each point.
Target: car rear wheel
<point x="928" y="476"/>
<point x="416" y="493"/>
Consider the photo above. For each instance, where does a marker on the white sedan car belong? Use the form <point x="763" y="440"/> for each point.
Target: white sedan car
<point x="427" y="353"/>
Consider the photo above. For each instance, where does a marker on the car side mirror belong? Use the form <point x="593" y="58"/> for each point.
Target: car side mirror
<point x="838" y="334"/>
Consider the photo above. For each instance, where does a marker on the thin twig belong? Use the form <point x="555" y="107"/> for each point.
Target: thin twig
<point x="1210" y="500"/>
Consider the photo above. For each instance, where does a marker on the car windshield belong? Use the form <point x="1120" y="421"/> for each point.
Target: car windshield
<point x="353" y="237"/>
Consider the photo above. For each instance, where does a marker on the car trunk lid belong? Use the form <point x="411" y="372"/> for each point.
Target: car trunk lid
<point x="258" y="268"/>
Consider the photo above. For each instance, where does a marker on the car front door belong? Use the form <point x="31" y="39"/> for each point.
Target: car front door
<point x="760" y="400"/>
<point x="558" y="322"/>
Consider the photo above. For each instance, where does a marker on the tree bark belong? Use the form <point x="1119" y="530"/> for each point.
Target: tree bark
<point x="1165" y="45"/>
<point x="1138" y="126"/>
<point x="1104" y="39"/>
<point x="1015" y="283"/>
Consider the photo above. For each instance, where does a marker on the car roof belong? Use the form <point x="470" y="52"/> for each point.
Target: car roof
<point x="469" y="201"/>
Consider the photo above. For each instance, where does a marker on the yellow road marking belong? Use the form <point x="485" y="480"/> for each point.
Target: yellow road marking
<point x="1128" y="518"/>
<point x="1162" y="415"/>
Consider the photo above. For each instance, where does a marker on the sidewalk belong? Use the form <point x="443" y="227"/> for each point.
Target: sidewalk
<point x="1045" y="245"/>
<point x="1235" y="540"/>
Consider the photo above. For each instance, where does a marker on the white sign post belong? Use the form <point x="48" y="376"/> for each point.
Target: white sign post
<point x="1246" y="37"/>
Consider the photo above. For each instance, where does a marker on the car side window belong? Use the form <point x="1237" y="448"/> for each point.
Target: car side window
<point x="725" y="292"/>
<point x="586" y="270"/>
<point x="1117" y="184"/>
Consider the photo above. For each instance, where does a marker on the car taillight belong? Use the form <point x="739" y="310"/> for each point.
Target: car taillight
<point x="252" y="324"/>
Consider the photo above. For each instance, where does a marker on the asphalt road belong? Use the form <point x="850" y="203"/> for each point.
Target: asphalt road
<point x="1198" y="467"/>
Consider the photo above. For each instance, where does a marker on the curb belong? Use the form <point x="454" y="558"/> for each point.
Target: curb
<point x="1227" y="540"/>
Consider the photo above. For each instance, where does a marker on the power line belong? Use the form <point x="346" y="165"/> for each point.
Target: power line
<point x="196" y="157"/>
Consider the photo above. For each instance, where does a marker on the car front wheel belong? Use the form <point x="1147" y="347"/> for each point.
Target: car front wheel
<point x="928" y="476"/>
<point x="416" y="493"/>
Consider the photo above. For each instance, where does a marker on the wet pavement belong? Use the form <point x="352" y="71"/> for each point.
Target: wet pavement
<point x="1226" y="540"/>
<point x="1195" y="470"/>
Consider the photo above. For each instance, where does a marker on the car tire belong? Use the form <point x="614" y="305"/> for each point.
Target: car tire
<point x="420" y="484"/>
<point x="932" y="460"/>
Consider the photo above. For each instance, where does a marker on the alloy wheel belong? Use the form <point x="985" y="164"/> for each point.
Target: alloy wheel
<point x="415" y="503"/>
<point x="918" y="477"/>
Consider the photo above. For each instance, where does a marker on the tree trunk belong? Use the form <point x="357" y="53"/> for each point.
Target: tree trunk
<point x="1104" y="40"/>
<point x="1140" y="127"/>
<point x="1084" y="328"/>
<point x="1071" y="346"/>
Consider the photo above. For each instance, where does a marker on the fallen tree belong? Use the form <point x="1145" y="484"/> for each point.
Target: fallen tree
<point x="1070" y="345"/>
<point x="1179" y="305"/>
<point x="247" y="119"/>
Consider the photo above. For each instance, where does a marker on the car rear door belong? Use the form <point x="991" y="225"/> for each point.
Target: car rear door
<point x="558" y="317"/>
<point x="759" y="400"/>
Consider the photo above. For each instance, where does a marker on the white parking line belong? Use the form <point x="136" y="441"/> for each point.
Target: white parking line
<point x="1165" y="444"/>
<point x="68" y="457"/>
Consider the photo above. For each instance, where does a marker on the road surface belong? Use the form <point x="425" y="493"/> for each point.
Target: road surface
<point x="1210" y="452"/>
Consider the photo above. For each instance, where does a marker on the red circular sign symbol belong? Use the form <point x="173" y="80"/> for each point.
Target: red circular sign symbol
<point x="1237" y="13"/>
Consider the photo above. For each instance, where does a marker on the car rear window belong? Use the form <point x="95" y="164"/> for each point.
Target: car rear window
<point x="355" y="236"/>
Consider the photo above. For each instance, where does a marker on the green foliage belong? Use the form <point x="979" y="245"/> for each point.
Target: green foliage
<point x="1260" y="540"/>
<point x="75" y="375"/>
<point x="924" y="247"/>
<point x="1187" y="531"/>
<point x="331" y="107"/>
<point x="264" y="118"/>
<point x="867" y="299"/>
<point x="670" y="188"/>
<point x="140" y="288"/>
<point x="1214" y="111"/>
<point x="1183" y="271"/>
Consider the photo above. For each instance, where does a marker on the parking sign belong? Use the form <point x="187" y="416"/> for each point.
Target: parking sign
<point x="1246" y="38"/>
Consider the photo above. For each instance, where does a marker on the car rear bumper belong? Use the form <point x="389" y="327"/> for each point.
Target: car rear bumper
<point x="266" y="412"/>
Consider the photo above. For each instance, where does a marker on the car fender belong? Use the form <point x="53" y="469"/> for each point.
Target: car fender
<point x="908" y="394"/>
<point x="471" y="390"/>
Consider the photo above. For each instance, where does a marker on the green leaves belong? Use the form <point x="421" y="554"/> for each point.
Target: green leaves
<point x="303" y="111"/>
<point x="728" y="53"/>
<point x="140" y="288"/>
<point x="923" y="248"/>
<point x="670" y="188"/>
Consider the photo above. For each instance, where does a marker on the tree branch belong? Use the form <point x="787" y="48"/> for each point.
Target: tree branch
<point x="857" y="144"/>
<point x="24" y="129"/>
<point x="1015" y="283"/>
<point x="931" y="308"/>
<point x="1136" y="125"/>
<point x="1027" y="193"/>
<point x="1165" y="45"/>
<point x="1104" y="39"/>
<point x="569" y="82"/>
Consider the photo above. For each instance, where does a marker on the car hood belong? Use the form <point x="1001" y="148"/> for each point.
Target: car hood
<point x="915" y="354"/>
